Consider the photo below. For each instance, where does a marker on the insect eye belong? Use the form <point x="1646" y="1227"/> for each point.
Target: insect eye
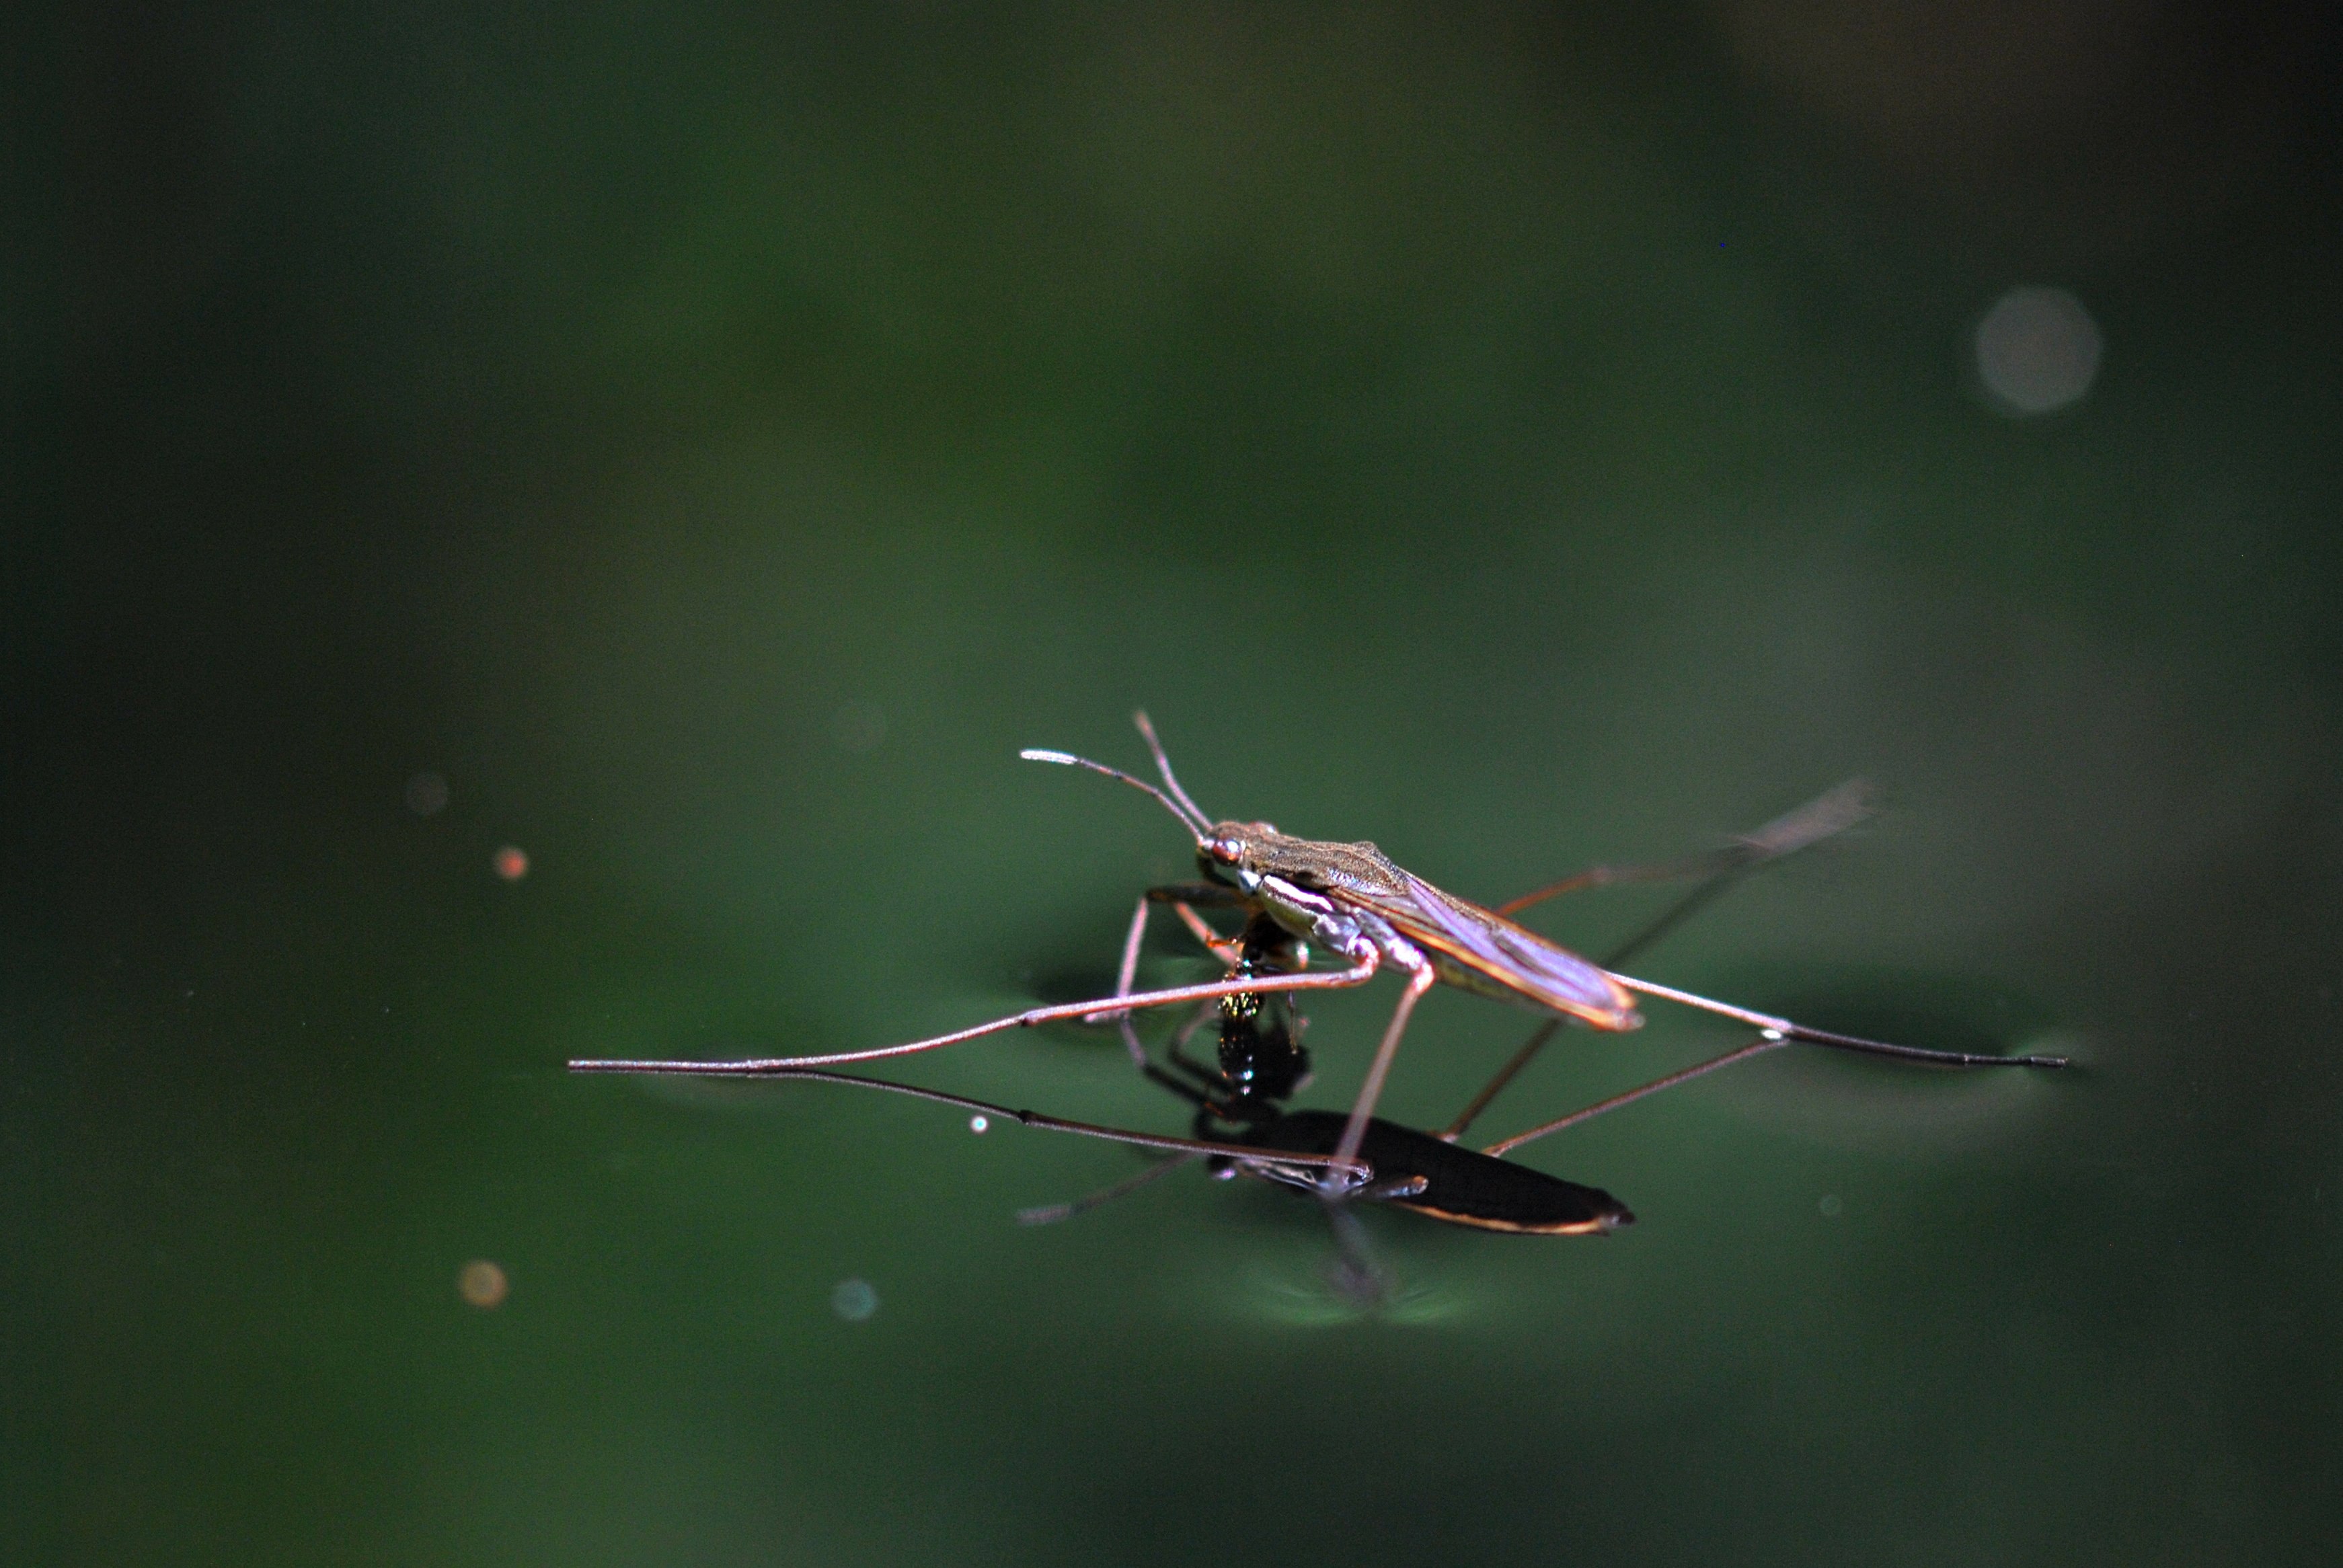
<point x="1227" y="851"/>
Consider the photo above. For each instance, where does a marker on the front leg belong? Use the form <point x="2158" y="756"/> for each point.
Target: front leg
<point x="1182" y="895"/>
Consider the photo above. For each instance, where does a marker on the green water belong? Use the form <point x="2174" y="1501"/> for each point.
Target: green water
<point x="713" y="443"/>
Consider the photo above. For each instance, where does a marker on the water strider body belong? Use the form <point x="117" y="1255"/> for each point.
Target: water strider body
<point x="1352" y="902"/>
<point x="1262" y="1063"/>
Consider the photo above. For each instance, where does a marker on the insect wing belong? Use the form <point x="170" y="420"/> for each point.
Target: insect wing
<point x="1480" y="952"/>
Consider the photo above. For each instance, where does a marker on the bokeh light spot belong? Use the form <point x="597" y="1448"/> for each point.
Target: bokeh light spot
<point x="978" y="1123"/>
<point x="482" y="1284"/>
<point x="854" y="1300"/>
<point x="1830" y="1206"/>
<point x="511" y="864"/>
<point x="2038" y="351"/>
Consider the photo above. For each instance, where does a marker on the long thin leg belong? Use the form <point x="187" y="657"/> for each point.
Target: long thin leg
<point x="1354" y="1132"/>
<point x="1125" y="973"/>
<point x="1775" y="1032"/>
<point x="1833" y="811"/>
<point x="1319" y="980"/>
<point x="1826" y="814"/>
<point x="1799" y="1031"/>
<point x="1674" y="915"/>
<point x="1497" y="1086"/>
<point x="1187" y="1092"/>
<point x="1360" y="1171"/>
<point x="1225" y="949"/>
<point x="1215" y="1084"/>
<point x="1176" y="1053"/>
<point x="1817" y="820"/>
<point x="1122" y="1015"/>
<point x="1051" y="1213"/>
<point x="1618" y="876"/>
<point x="1764" y="1043"/>
<point x="1180" y="898"/>
<point x="1128" y="970"/>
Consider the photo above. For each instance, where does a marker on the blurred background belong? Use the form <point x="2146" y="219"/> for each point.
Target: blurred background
<point x="537" y="532"/>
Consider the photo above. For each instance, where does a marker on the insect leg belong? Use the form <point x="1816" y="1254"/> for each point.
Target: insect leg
<point x="1354" y="1132"/>
<point x="1769" y="1040"/>
<point x="1618" y="876"/>
<point x="1122" y="979"/>
<point x="1672" y="916"/>
<point x="1228" y="949"/>
<point x="1818" y="819"/>
<point x="1180" y="898"/>
<point x="1799" y="1031"/>
<point x="1833" y="811"/>
<point x="1359" y="973"/>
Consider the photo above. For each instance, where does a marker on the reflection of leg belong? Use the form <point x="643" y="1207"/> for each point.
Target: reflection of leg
<point x="1200" y="1098"/>
<point x="1176" y="1053"/>
<point x="1355" y="1275"/>
<point x="1497" y="1086"/>
<point x="1818" y="819"/>
<point x="1346" y="1153"/>
<point x="1051" y="1213"/>
<point x="1674" y="915"/>
<point x="1355" y="1173"/>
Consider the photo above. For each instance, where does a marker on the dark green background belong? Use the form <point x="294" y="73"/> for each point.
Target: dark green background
<point x="1519" y="434"/>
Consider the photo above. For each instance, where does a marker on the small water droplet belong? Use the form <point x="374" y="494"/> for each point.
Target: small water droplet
<point x="1830" y="1206"/>
<point x="978" y="1123"/>
<point x="854" y="1300"/>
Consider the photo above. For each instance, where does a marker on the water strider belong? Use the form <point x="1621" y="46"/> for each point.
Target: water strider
<point x="1241" y="1103"/>
<point x="1262" y="1065"/>
<point x="1352" y="902"/>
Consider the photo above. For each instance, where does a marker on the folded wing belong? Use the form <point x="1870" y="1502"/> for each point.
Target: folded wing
<point x="1476" y="950"/>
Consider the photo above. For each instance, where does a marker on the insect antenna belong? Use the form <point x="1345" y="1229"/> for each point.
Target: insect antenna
<point x="1164" y="765"/>
<point x="1190" y="818"/>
